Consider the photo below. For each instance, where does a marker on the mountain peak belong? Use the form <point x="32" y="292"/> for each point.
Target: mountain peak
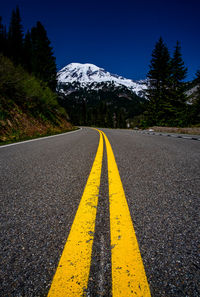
<point x="89" y="74"/>
<point x="82" y="73"/>
<point x="81" y="66"/>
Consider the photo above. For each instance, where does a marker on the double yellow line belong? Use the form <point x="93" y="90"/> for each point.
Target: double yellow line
<point x="128" y="274"/>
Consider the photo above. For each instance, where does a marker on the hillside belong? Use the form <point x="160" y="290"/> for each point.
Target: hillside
<point x="28" y="108"/>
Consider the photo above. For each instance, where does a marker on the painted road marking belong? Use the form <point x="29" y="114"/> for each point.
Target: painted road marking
<point x="128" y="274"/>
<point x="71" y="277"/>
<point x="40" y="138"/>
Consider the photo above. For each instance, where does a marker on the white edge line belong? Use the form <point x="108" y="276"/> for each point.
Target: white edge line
<point x="40" y="138"/>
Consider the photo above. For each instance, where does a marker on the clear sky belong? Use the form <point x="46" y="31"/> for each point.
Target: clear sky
<point x="118" y="35"/>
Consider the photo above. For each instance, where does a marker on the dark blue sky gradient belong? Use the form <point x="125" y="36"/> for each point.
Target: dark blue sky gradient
<point x="116" y="35"/>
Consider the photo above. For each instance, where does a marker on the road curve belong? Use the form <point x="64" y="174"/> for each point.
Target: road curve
<point x="42" y="183"/>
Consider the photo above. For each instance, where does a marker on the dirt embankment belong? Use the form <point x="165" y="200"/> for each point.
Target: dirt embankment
<point x="21" y="126"/>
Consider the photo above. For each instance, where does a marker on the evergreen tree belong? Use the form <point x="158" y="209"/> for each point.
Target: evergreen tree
<point x="3" y="38"/>
<point x="159" y="106"/>
<point x="197" y="79"/>
<point x="43" y="62"/>
<point x="27" y="56"/>
<point x="179" y="71"/>
<point x="120" y="118"/>
<point x="196" y="103"/>
<point x="15" y="38"/>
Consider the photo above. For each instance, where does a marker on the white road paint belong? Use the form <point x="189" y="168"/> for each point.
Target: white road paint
<point x="40" y="138"/>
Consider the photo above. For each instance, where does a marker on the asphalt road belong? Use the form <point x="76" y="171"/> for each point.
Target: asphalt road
<point x="42" y="183"/>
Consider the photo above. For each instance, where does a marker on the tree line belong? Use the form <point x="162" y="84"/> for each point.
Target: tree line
<point x="32" y="50"/>
<point x="167" y="100"/>
<point x="107" y="106"/>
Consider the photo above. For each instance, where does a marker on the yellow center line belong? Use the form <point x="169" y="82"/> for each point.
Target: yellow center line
<point x="71" y="277"/>
<point x="128" y="274"/>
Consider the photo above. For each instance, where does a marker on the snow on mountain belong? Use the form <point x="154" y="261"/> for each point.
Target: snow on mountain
<point x="89" y="76"/>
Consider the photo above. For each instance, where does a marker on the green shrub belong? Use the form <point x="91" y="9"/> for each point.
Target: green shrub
<point x="19" y="88"/>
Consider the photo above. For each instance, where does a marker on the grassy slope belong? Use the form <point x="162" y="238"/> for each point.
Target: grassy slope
<point x="28" y="108"/>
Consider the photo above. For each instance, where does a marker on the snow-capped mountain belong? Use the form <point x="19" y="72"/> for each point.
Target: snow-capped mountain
<point x="90" y="76"/>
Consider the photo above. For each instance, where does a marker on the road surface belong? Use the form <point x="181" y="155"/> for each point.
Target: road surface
<point x="152" y="194"/>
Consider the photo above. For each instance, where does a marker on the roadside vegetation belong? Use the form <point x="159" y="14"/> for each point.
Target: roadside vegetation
<point x="28" y="102"/>
<point x="28" y="107"/>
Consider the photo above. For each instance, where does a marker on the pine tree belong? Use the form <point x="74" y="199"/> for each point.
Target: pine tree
<point x="179" y="71"/>
<point x="197" y="79"/>
<point x="43" y="62"/>
<point x="27" y="49"/>
<point x="159" y="106"/>
<point x="196" y="103"/>
<point x="15" y="38"/>
<point x="3" y="38"/>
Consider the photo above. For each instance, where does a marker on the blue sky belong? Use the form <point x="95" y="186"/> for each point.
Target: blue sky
<point x="116" y="35"/>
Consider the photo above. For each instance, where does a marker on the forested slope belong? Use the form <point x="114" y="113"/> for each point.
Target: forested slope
<point x="28" y="99"/>
<point x="28" y="108"/>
